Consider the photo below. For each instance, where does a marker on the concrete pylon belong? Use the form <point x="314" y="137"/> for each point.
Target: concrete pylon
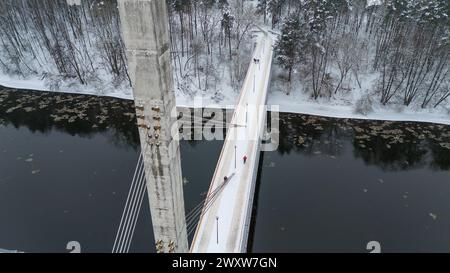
<point x="145" y="28"/>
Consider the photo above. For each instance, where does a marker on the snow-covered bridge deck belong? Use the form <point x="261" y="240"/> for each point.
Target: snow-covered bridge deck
<point x="224" y="225"/>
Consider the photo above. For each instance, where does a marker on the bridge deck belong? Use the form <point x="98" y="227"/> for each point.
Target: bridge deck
<point x="224" y="227"/>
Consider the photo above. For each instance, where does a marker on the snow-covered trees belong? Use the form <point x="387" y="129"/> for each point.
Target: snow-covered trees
<point x="109" y="43"/>
<point x="82" y="43"/>
<point x="274" y="7"/>
<point x="404" y="44"/>
<point x="321" y="17"/>
<point x="180" y="7"/>
<point x="261" y="8"/>
<point x="211" y="41"/>
<point x="227" y="25"/>
<point x="413" y="52"/>
<point x="59" y="41"/>
<point x="401" y="46"/>
<point x="289" y="46"/>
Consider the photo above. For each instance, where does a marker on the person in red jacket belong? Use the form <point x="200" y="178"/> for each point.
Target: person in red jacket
<point x="245" y="159"/>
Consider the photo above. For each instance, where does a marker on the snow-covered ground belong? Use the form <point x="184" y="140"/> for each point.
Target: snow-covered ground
<point x="38" y="84"/>
<point x="224" y="95"/>
<point x="222" y="86"/>
<point x="342" y="105"/>
<point x="295" y="102"/>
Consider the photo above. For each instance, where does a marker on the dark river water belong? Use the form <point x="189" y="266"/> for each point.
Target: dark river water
<point x="66" y="163"/>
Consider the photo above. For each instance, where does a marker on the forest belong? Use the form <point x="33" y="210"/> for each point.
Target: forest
<point x="80" y="42"/>
<point x="59" y="42"/>
<point x="336" y="46"/>
<point x="386" y="52"/>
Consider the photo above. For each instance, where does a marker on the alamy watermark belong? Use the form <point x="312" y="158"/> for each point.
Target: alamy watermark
<point x="241" y="124"/>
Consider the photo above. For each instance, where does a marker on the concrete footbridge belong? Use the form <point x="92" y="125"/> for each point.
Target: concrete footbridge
<point x="224" y="224"/>
<point x="225" y="215"/>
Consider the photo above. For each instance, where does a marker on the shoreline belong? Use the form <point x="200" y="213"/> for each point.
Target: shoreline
<point x="379" y="114"/>
<point x="284" y="101"/>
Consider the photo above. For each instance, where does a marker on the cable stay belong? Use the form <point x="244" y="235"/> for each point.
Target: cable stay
<point x="132" y="209"/>
<point x="199" y="210"/>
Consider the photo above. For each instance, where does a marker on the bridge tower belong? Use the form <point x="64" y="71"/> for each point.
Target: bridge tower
<point x="145" y="28"/>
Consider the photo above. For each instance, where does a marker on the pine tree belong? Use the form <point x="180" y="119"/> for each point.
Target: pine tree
<point x="227" y="25"/>
<point x="180" y="7"/>
<point x="287" y="49"/>
<point x="275" y="7"/>
<point x="261" y="8"/>
<point x="319" y="12"/>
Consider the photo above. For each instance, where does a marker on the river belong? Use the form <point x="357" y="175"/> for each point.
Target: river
<point x="66" y="163"/>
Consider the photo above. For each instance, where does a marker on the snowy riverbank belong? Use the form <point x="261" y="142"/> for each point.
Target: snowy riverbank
<point x="336" y="110"/>
<point x="296" y="102"/>
<point x="37" y="84"/>
<point x="343" y="104"/>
